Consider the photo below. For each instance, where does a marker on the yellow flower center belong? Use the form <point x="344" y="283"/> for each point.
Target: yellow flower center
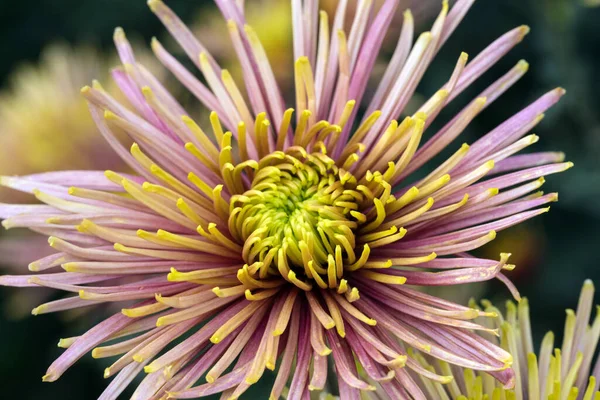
<point x="298" y="217"/>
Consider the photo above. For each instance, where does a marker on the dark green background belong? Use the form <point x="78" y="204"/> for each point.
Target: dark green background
<point x="563" y="50"/>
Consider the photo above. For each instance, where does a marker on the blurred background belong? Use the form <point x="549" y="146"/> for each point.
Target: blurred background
<point x="52" y="48"/>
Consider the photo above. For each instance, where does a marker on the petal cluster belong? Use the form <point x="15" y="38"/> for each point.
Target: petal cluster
<point x="553" y="372"/>
<point x="288" y="239"/>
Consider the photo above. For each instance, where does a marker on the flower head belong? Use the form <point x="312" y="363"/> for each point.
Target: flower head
<point x="288" y="234"/>
<point x="552" y="373"/>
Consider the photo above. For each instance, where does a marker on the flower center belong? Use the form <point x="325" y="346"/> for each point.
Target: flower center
<point x="298" y="219"/>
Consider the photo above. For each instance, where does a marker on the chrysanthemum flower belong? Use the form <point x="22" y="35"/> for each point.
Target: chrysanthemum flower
<point x="289" y="242"/>
<point x="552" y="373"/>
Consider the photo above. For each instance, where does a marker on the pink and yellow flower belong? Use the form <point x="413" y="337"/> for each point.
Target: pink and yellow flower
<point x="288" y="238"/>
<point x="553" y="372"/>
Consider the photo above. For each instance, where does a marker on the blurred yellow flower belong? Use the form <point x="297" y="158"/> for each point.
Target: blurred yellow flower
<point x="44" y="121"/>
<point x="272" y="21"/>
